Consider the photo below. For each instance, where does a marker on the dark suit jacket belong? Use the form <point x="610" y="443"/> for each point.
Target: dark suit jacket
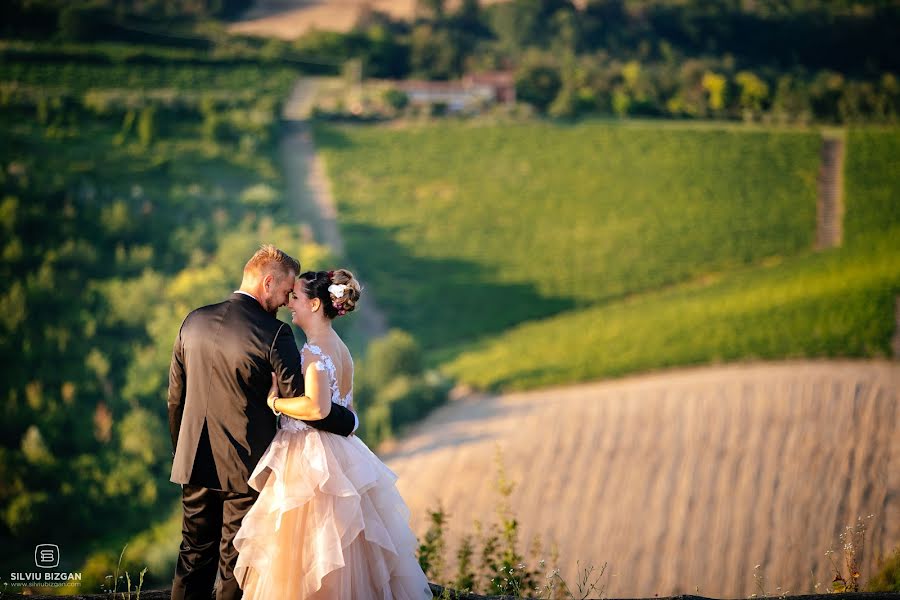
<point x="218" y="383"/>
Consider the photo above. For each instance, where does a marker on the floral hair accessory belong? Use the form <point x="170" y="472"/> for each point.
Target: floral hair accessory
<point x="337" y="290"/>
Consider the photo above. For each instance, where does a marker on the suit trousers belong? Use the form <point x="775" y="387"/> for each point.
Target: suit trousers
<point x="211" y="520"/>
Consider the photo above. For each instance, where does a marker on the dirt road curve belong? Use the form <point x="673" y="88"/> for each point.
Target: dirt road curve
<point x="679" y="480"/>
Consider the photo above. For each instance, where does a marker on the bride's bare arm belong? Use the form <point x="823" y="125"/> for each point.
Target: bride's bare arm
<point x="314" y="405"/>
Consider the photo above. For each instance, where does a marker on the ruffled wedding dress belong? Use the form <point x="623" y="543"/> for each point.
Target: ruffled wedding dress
<point x="329" y="522"/>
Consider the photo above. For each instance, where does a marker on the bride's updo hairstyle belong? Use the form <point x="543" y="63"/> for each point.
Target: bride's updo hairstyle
<point x="338" y="290"/>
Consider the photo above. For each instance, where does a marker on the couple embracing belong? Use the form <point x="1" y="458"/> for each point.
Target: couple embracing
<point x="281" y="500"/>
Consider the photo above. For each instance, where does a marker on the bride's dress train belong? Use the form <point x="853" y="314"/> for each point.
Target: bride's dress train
<point x="329" y="522"/>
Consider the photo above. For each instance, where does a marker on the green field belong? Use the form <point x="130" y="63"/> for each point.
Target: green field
<point x="80" y="77"/>
<point x="466" y="231"/>
<point x="833" y="304"/>
<point x="872" y="182"/>
<point x="535" y="254"/>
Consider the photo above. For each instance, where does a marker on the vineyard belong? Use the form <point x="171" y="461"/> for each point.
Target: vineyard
<point x="554" y="254"/>
<point x="531" y="220"/>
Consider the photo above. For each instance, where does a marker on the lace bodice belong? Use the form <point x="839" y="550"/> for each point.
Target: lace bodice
<point x="324" y="363"/>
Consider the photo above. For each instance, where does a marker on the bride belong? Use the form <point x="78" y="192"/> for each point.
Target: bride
<point x="329" y="522"/>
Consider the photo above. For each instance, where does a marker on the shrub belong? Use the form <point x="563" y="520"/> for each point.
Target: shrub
<point x="392" y="387"/>
<point x="538" y="85"/>
<point x="82" y="23"/>
<point x="395" y="354"/>
<point x="396" y="99"/>
<point x="887" y="578"/>
<point x="259" y="195"/>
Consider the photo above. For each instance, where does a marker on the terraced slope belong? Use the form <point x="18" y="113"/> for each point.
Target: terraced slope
<point x="682" y="479"/>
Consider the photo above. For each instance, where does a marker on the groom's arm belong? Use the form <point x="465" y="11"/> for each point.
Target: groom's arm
<point x="341" y="420"/>
<point x="177" y="389"/>
<point x="285" y="359"/>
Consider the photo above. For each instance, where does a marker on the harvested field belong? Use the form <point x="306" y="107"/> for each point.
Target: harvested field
<point x="289" y="19"/>
<point x="681" y="480"/>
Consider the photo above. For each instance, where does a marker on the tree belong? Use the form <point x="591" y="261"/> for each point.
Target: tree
<point x="714" y="85"/>
<point x="434" y="53"/>
<point x="753" y="93"/>
<point x="81" y="23"/>
<point x="396" y="99"/>
<point x="538" y="84"/>
<point x="397" y="353"/>
<point x="146" y="126"/>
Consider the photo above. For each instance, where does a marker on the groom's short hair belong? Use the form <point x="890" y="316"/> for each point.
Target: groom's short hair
<point x="269" y="259"/>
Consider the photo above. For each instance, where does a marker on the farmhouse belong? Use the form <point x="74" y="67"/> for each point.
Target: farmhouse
<point x="469" y="94"/>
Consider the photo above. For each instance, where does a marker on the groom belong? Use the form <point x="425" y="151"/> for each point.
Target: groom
<point x="220" y="424"/>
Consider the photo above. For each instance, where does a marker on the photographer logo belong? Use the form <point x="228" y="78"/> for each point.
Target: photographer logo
<point x="46" y="556"/>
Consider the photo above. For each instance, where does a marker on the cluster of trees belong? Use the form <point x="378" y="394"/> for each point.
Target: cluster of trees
<point x="111" y="19"/>
<point x="783" y="60"/>
<point x="798" y="61"/>
<point x="702" y="88"/>
<point x="119" y="215"/>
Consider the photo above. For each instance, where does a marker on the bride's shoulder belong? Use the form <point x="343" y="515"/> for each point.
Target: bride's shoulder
<point x="343" y="352"/>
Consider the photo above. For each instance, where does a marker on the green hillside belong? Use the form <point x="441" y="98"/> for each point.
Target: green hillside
<point x="538" y="254"/>
<point x="832" y="304"/>
<point x="872" y="181"/>
<point x="466" y="231"/>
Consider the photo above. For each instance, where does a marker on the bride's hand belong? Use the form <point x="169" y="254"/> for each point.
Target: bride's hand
<point x="273" y="393"/>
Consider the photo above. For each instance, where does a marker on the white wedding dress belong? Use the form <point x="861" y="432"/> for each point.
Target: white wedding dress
<point x="329" y="522"/>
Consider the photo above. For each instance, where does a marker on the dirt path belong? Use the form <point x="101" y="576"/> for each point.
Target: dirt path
<point x="680" y="480"/>
<point x="830" y="203"/>
<point x="310" y="190"/>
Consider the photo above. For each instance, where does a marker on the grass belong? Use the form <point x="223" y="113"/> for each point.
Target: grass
<point x="491" y="560"/>
<point x="833" y="304"/>
<point x="467" y="231"/>
<point x="872" y="181"/>
<point x="79" y="77"/>
<point x="539" y="254"/>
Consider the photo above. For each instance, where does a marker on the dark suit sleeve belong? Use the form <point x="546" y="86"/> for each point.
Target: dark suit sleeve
<point x="340" y="421"/>
<point x="285" y="359"/>
<point x="177" y="388"/>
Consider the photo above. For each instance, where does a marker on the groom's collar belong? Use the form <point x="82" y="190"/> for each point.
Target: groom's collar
<point x="248" y="294"/>
<point x="248" y="297"/>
